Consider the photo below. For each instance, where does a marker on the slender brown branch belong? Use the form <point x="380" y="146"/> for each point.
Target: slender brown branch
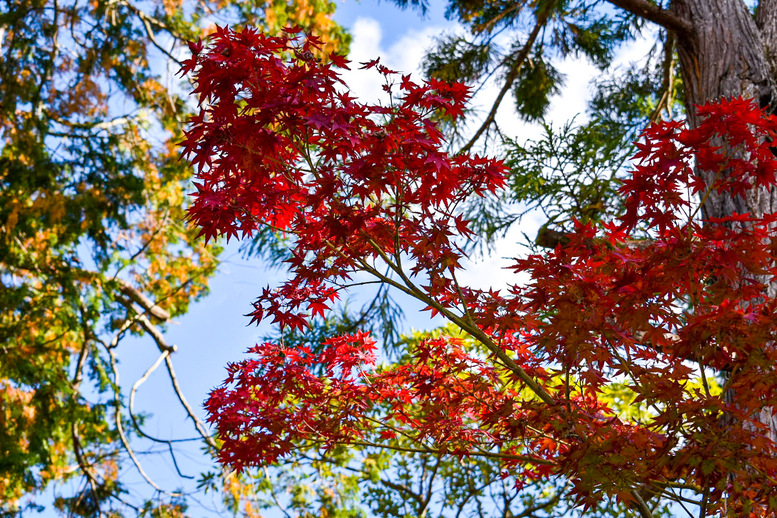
<point x="402" y="489"/>
<point x="270" y="485"/>
<point x="644" y="510"/>
<point x="163" y="346"/>
<point x="123" y="436"/>
<point x="512" y="75"/>
<point x="434" y="451"/>
<point x="148" y="21"/>
<point x="197" y="422"/>
<point x="146" y="303"/>
<point x="414" y="291"/>
<point x="156" y="334"/>
<point x="85" y="467"/>
<point x="653" y="13"/>
<point x="134" y="390"/>
<point x="94" y="125"/>
<point x="430" y="486"/>
<point x="529" y="511"/>
<point x="136" y="424"/>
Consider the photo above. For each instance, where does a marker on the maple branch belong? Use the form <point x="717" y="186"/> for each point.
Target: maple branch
<point x="411" y="289"/>
<point x="512" y="75"/>
<point x="673" y="496"/>
<point x="387" y="483"/>
<point x="465" y="311"/>
<point x="653" y="13"/>
<point x="704" y="500"/>
<point x="481" y="336"/>
<point x="642" y="507"/>
<point x="394" y="429"/>
<point x="437" y="451"/>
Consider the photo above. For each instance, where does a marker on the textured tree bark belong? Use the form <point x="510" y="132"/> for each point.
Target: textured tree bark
<point x="723" y="55"/>
<point x="766" y="21"/>
<point x="729" y="52"/>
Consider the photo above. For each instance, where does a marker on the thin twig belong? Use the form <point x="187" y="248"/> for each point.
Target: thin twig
<point x="135" y="422"/>
<point x="85" y="468"/>
<point x="272" y="493"/>
<point x="197" y="422"/>
<point x="148" y="21"/>
<point x="120" y="429"/>
<point x="163" y="346"/>
<point x="436" y="451"/>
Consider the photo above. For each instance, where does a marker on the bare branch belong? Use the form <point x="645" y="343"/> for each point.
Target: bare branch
<point x="148" y="22"/>
<point x="402" y="488"/>
<point x="134" y="419"/>
<point x="197" y="422"/>
<point x="163" y="346"/>
<point x="147" y="304"/>
<point x="120" y="429"/>
<point x="274" y="496"/>
<point x="653" y="13"/>
<point x="86" y="469"/>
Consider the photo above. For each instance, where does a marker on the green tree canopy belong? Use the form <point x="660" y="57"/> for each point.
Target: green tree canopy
<point x="94" y="246"/>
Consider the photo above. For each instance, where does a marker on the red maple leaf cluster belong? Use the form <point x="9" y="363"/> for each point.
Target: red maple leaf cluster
<point x="659" y="301"/>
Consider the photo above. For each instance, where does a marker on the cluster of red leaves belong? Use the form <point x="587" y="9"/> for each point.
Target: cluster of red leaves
<point x="282" y="143"/>
<point x="369" y="188"/>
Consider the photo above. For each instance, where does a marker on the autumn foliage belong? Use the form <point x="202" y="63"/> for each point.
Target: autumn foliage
<point x="674" y="309"/>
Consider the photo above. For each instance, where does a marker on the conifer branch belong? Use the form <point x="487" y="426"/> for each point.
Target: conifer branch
<point x="512" y="75"/>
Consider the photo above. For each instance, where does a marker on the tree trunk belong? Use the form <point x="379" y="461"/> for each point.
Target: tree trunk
<point x="729" y="52"/>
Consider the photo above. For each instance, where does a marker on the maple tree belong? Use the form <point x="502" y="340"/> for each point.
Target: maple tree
<point x="93" y="249"/>
<point x="656" y="305"/>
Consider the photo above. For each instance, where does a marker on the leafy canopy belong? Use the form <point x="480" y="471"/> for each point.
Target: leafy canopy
<point x="366" y="188"/>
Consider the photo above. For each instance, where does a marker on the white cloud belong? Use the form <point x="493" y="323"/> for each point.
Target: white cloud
<point x="404" y="56"/>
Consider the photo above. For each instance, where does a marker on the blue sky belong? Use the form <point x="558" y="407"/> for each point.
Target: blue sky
<point x="215" y="331"/>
